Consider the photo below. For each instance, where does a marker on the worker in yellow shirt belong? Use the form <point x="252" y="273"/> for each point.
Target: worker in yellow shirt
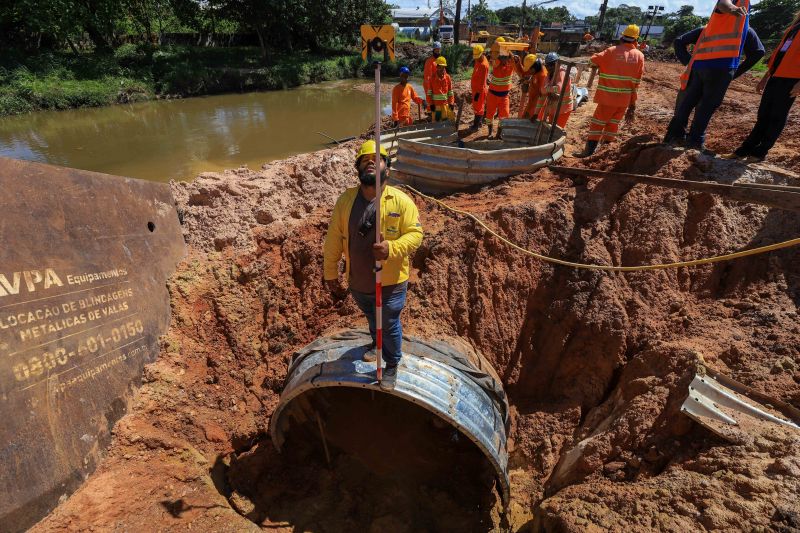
<point x="351" y="234"/>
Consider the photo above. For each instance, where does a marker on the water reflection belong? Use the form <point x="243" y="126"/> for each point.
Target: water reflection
<point x="177" y="139"/>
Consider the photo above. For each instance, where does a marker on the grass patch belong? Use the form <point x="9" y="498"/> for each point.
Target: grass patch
<point x="136" y="72"/>
<point x="761" y="66"/>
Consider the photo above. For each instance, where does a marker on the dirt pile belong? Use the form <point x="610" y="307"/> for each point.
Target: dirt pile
<point x="595" y="364"/>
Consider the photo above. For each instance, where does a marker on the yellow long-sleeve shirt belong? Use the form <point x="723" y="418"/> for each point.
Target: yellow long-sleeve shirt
<point x="399" y="224"/>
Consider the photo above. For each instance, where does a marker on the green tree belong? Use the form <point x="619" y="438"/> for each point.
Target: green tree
<point x="482" y="14"/>
<point x="622" y="14"/>
<point x="770" y="18"/>
<point x="680" y="22"/>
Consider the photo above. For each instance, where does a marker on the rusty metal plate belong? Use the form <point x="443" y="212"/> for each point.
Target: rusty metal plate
<point x="84" y="261"/>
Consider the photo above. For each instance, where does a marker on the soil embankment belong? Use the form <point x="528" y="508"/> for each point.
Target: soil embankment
<point x="596" y="365"/>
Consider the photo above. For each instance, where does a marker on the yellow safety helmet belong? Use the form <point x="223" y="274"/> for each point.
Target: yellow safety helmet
<point x="632" y="32"/>
<point x="528" y="62"/>
<point x="368" y="148"/>
<point x="500" y="40"/>
<point x="441" y="61"/>
<point x="477" y="51"/>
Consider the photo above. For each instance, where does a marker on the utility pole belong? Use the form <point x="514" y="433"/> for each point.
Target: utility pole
<point x="457" y="22"/>
<point x="603" y="8"/>
<point x="655" y="9"/>
<point x="522" y="23"/>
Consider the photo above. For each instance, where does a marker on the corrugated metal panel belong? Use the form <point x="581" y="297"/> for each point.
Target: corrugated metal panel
<point x="433" y="385"/>
<point x="442" y="167"/>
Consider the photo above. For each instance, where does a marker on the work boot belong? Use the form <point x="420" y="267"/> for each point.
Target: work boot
<point x="591" y="146"/>
<point x="491" y="128"/>
<point x="477" y="122"/>
<point x="701" y="148"/>
<point x="389" y="378"/>
<point x="371" y="355"/>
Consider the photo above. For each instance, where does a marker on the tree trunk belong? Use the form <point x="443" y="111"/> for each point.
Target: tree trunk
<point x="260" y="33"/>
<point x="457" y="22"/>
<point x="97" y="37"/>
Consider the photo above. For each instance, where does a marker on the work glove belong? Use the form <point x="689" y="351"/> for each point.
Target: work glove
<point x="433" y="109"/>
<point x="477" y="97"/>
<point x="629" y="115"/>
<point x="394" y="123"/>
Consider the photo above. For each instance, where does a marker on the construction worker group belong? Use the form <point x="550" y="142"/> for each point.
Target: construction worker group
<point x="722" y="50"/>
<point x="713" y="63"/>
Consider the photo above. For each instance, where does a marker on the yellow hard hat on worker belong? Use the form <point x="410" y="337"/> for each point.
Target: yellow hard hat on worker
<point x="631" y="32"/>
<point x="441" y="61"/>
<point x="528" y="62"/>
<point x="500" y="40"/>
<point x="477" y="51"/>
<point x="368" y="148"/>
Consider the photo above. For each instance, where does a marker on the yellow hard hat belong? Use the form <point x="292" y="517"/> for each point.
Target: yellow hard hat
<point x="368" y="148"/>
<point x="632" y="32"/>
<point x="441" y="61"/>
<point x="500" y="40"/>
<point x="528" y="62"/>
<point x="477" y="51"/>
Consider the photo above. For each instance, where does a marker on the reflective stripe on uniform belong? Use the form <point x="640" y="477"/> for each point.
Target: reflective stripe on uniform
<point x="613" y="89"/>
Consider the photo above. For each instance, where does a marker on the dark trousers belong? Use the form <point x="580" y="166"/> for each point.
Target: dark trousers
<point x="703" y="95"/>
<point x="394" y="299"/>
<point x="773" y="112"/>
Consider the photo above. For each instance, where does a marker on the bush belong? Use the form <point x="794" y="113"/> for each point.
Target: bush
<point x="458" y="57"/>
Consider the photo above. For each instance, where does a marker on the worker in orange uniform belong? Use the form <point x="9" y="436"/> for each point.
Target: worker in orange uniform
<point x="713" y="65"/>
<point x="440" y="92"/>
<point x="402" y="96"/>
<point x="498" y="101"/>
<point x="480" y="73"/>
<point x="429" y="70"/>
<point x="620" y="70"/>
<point x="781" y="86"/>
<point x="552" y="90"/>
<point x="532" y="67"/>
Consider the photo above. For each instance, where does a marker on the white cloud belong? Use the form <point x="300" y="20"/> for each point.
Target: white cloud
<point x="581" y="8"/>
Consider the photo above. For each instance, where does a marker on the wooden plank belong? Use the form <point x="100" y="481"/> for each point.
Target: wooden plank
<point x="769" y="186"/>
<point x="770" y="198"/>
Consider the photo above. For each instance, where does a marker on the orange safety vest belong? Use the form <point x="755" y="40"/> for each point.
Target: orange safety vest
<point x="402" y="95"/>
<point x="428" y="71"/>
<point x="620" y="70"/>
<point x="536" y="92"/>
<point x="479" y="75"/>
<point x="440" y="90"/>
<point x="790" y="64"/>
<point x="500" y="79"/>
<point x="553" y="87"/>
<point x="721" y="38"/>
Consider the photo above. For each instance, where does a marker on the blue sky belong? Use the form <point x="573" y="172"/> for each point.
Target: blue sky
<point x="580" y="8"/>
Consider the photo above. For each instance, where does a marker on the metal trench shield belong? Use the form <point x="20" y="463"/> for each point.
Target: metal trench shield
<point x="445" y="391"/>
<point x="83" y="267"/>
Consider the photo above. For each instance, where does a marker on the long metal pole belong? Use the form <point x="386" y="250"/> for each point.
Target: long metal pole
<point x="377" y="200"/>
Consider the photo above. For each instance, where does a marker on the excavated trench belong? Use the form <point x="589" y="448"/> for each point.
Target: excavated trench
<point x="595" y="364"/>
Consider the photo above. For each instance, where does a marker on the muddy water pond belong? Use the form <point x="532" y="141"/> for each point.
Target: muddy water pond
<point x="177" y="139"/>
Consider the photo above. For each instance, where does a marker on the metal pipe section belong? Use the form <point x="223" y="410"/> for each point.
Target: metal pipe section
<point x="463" y="391"/>
<point x="443" y="168"/>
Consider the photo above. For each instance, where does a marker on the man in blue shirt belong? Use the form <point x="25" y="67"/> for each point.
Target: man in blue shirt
<point x="708" y="82"/>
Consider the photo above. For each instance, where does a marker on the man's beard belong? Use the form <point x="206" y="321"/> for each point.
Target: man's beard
<point x="367" y="177"/>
